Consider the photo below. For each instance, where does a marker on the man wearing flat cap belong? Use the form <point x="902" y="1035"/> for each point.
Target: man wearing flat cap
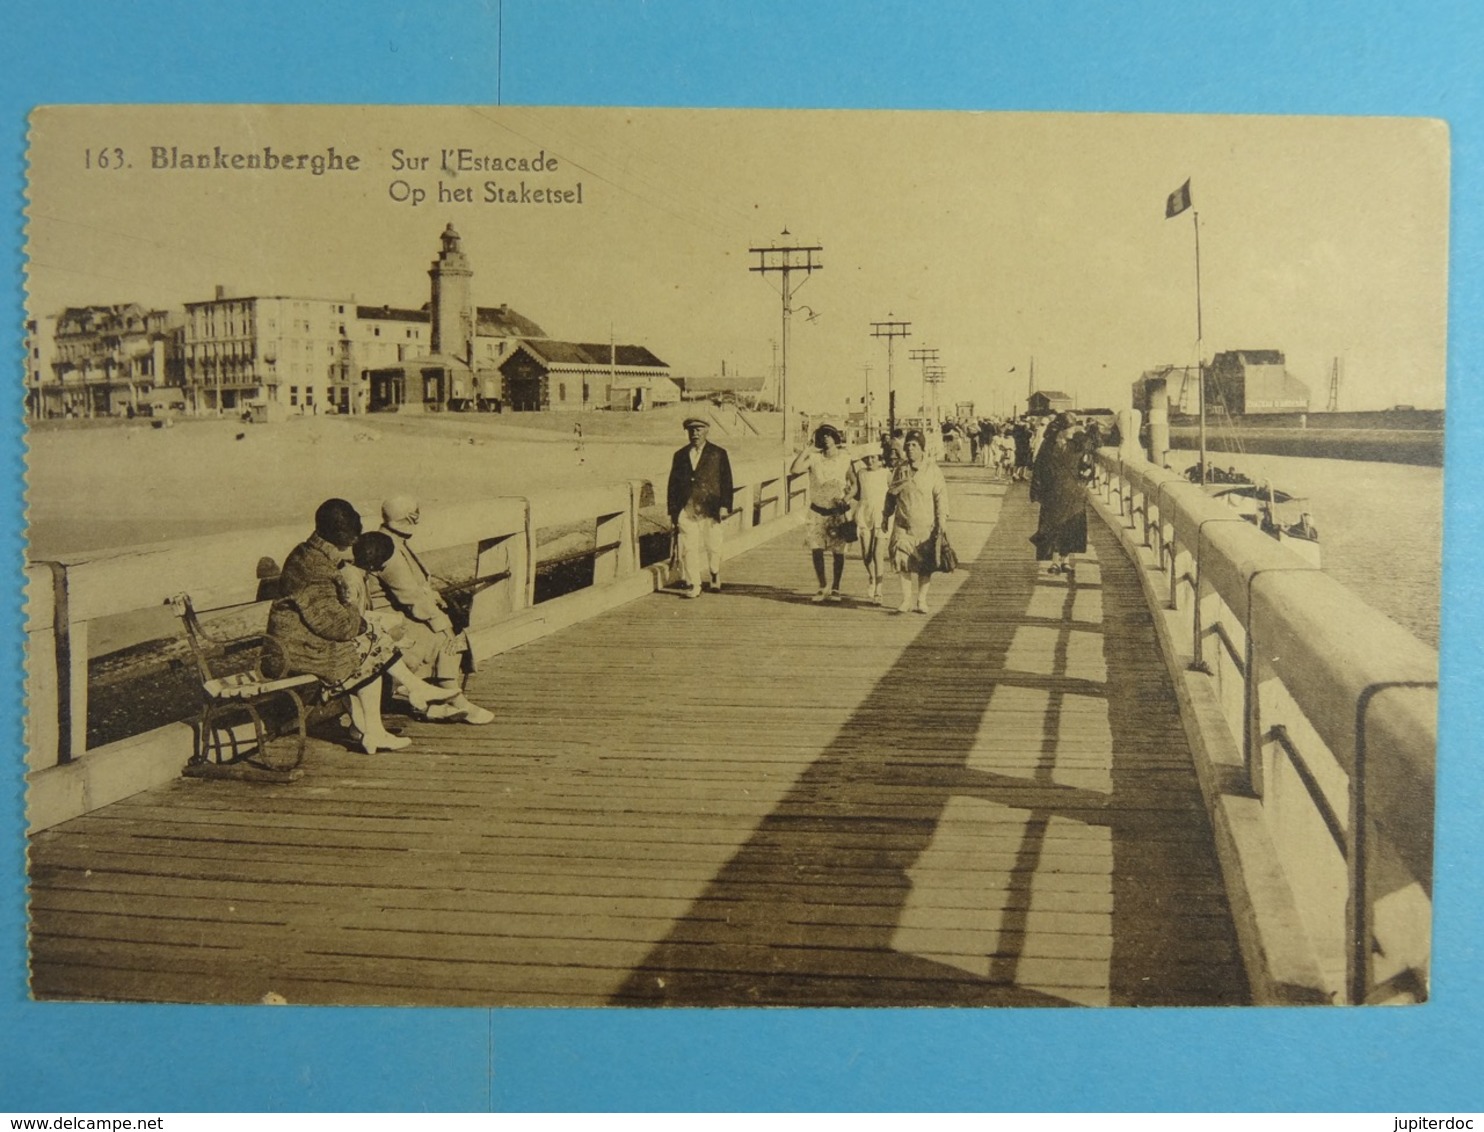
<point x="700" y="497"/>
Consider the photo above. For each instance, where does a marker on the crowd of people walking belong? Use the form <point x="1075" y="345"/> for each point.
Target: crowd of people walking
<point x="890" y="504"/>
<point x="359" y="610"/>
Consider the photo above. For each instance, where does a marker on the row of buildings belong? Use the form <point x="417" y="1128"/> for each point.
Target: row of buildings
<point x="277" y="355"/>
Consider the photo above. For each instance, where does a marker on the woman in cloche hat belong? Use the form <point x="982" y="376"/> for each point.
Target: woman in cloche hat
<point x="831" y="490"/>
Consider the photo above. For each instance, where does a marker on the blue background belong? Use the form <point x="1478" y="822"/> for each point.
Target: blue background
<point x="1259" y="57"/>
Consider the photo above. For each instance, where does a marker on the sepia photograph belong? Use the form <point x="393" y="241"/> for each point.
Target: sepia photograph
<point x="597" y="557"/>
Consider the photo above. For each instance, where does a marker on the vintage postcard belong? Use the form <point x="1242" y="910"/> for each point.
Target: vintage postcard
<point x="576" y="557"/>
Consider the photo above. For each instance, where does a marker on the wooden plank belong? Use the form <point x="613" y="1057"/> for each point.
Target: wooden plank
<point x="451" y="868"/>
<point x="631" y="881"/>
<point x="713" y="974"/>
<point x="603" y="941"/>
<point x="955" y="906"/>
<point x="829" y="805"/>
<point x="571" y="828"/>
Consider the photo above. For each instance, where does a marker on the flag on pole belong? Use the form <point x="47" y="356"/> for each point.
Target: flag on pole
<point x="1178" y="201"/>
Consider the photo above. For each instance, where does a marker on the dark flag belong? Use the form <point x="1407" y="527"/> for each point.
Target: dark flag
<point x="1179" y="201"/>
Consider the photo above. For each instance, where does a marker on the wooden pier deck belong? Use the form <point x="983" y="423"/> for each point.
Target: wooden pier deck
<point x="744" y="799"/>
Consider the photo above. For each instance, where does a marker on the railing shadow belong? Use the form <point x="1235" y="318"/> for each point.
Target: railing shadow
<point x="808" y="911"/>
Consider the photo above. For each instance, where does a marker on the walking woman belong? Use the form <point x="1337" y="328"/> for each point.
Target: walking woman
<point x="916" y="510"/>
<point x="1021" y="432"/>
<point x="1060" y="470"/>
<point x="831" y="491"/>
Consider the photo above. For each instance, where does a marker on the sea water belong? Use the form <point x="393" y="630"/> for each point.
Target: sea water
<point x="1380" y="526"/>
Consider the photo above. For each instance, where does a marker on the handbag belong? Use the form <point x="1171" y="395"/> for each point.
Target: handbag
<point x="946" y="558"/>
<point x="840" y="526"/>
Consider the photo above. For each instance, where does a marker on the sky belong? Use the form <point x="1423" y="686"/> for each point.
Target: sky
<point x="1004" y="240"/>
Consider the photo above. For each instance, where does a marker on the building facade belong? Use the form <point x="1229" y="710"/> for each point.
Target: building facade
<point x="250" y="350"/>
<point x="1247" y="382"/>
<point x="382" y="338"/>
<point x="1044" y="401"/>
<point x="459" y="369"/>
<point x="105" y="360"/>
<point x="286" y="354"/>
<point x="43" y="388"/>
<point x="545" y="375"/>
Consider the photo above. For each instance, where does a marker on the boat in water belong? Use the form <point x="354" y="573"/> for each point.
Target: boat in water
<point x="1276" y="513"/>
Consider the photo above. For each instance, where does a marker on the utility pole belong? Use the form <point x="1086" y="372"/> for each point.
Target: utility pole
<point x="773" y="372"/>
<point x="866" y="402"/>
<point x="927" y="355"/>
<point x="1200" y="339"/>
<point x="612" y="367"/>
<point x="786" y="261"/>
<point x="933" y="377"/>
<point x="891" y="331"/>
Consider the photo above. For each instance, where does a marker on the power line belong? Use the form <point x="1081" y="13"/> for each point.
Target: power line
<point x="933" y="377"/>
<point x="786" y="261"/>
<point x="928" y="356"/>
<point x="891" y="330"/>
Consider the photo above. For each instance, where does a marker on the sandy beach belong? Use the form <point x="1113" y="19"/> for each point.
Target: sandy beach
<point x="103" y="487"/>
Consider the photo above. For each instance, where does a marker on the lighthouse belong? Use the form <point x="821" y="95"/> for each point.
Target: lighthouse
<point x="452" y="301"/>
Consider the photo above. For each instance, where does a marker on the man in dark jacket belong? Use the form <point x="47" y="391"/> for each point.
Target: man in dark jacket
<point x="700" y="497"/>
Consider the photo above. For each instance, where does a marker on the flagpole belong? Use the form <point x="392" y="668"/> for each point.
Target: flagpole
<point x="1199" y="344"/>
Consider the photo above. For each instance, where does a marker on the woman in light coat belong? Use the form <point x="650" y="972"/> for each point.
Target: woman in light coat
<point x="831" y="496"/>
<point x="916" y="511"/>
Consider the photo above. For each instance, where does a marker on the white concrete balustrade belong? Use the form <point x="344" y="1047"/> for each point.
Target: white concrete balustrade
<point x="1317" y="728"/>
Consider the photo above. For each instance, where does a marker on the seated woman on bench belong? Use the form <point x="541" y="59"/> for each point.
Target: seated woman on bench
<point x="321" y="628"/>
<point x="369" y="556"/>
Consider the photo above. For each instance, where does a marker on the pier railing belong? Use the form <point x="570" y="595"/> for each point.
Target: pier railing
<point x="108" y="678"/>
<point x="1317" y="713"/>
<point x="1318" y="722"/>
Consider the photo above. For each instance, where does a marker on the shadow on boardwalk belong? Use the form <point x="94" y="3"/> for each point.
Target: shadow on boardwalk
<point x="745" y="799"/>
<point x="1108" y="891"/>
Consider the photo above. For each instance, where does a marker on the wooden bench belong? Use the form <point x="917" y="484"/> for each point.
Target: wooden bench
<point x="233" y="693"/>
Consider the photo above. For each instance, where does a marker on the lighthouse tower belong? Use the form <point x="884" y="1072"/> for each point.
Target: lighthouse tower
<point x="453" y="305"/>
